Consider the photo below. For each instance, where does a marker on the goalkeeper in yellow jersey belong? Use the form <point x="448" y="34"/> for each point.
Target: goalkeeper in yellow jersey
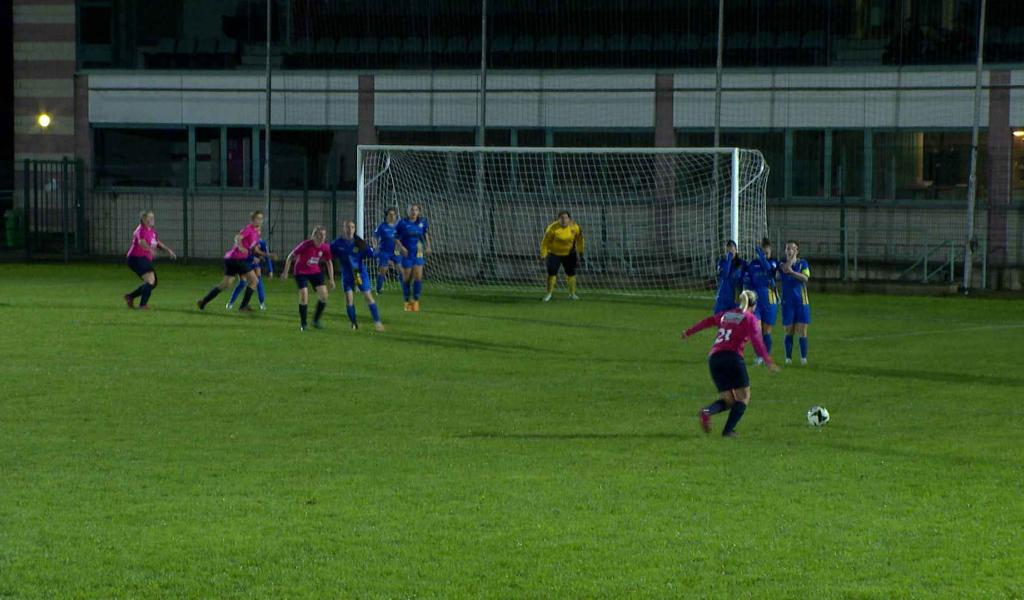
<point x="561" y="247"/>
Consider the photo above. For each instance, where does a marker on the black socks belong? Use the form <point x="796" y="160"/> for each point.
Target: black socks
<point x="146" y="291"/>
<point x="246" y="298"/>
<point x="303" y="309"/>
<point x="209" y="296"/>
<point x="738" y="408"/>
<point x="320" y="306"/>
<point x="716" y="407"/>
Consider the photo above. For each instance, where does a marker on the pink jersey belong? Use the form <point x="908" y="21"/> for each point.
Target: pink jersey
<point x="308" y="257"/>
<point x="144" y="242"/>
<point x="735" y="328"/>
<point x="250" y="237"/>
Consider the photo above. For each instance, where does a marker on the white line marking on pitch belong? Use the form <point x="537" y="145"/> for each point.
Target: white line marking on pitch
<point x="932" y="331"/>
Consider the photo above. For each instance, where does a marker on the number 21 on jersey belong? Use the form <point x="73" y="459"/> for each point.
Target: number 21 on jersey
<point x="723" y="335"/>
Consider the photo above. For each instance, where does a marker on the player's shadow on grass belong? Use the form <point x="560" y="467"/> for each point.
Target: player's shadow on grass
<point x="443" y="341"/>
<point x="497" y="435"/>
<point x="927" y="376"/>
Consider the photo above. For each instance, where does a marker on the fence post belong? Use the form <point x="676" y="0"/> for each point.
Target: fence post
<point x="80" y="227"/>
<point x="184" y="222"/>
<point x="27" y="189"/>
<point x="842" y="235"/>
<point x="924" y="276"/>
<point x="64" y="212"/>
<point x="305" y="198"/>
<point x="334" y="213"/>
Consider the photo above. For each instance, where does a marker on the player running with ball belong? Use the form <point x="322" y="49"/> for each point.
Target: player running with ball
<point x="735" y="328"/>
<point x="351" y="250"/>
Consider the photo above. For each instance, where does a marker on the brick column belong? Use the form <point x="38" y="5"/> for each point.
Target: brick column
<point x="367" y="133"/>
<point x="1000" y="150"/>
<point x="44" y="68"/>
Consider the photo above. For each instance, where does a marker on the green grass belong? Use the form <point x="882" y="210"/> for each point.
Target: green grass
<point x="496" y="446"/>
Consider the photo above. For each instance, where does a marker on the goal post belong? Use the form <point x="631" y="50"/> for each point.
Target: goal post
<point x="652" y="218"/>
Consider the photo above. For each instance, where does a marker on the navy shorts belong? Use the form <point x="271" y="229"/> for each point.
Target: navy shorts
<point x="315" y="280"/>
<point x="793" y="313"/>
<point x="235" y="266"/>
<point x="140" y="265"/>
<point x="567" y="262"/>
<point x="728" y="371"/>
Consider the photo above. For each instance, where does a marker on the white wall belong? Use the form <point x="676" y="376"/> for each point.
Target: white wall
<point x="547" y="99"/>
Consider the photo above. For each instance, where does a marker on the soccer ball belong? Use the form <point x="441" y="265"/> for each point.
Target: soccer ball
<point x="817" y="416"/>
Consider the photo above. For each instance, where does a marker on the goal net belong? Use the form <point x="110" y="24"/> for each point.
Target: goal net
<point x="652" y="218"/>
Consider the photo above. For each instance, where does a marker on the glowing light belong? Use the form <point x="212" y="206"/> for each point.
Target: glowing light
<point x="43" y="120"/>
<point x="1019" y="133"/>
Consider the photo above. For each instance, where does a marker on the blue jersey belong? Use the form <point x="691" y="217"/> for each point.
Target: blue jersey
<point x="410" y="234"/>
<point x="350" y="255"/>
<point x="794" y="291"/>
<point x="730" y="281"/>
<point x="385" y="234"/>
<point x="266" y="263"/>
<point x="760" y="277"/>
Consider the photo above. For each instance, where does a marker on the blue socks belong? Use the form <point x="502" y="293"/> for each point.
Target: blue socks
<point x="405" y="289"/>
<point x="237" y="292"/>
<point x="417" y="288"/>
<point x="373" y="313"/>
<point x="351" y="310"/>
<point x="260" y="292"/>
<point x="380" y="283"/>
<point x="803" y="347"/>
<point x="738" y="408"/>
<point x="789" y="346"/>
<point x="768" y="342"/>
<point x="716" y="407"/>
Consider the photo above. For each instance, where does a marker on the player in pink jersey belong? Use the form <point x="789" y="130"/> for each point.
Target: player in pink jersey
<point x="239" y="261"/>
<point x="309" y="257"/>
<point x="735" y="328"/>
<point x="140" y="259"/>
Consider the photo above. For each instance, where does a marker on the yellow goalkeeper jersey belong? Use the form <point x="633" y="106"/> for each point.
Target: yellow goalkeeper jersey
<point x="560" y="241"/>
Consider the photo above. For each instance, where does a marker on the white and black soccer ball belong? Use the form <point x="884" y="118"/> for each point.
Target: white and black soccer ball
<point x="817" y="416"/>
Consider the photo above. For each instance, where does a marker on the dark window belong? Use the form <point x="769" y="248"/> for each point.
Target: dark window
<point x="915" y="165"/>
<point x="95" y="24"/>
<point x="809" y="163"/>
<point x="239" y="157"/>
<point x="141" y="157"/>
<point x="208" y="155"/>
<point x="312" y="159"/>
<point x="848" y="164"/>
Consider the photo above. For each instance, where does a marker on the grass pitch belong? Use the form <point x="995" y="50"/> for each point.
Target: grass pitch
<point x="492" y="445"/>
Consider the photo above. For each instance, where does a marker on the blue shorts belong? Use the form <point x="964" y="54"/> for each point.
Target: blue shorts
<point x="728" y="371"/>
<point x="767" y="313"/>
<point x="352" y="281"/>
<point x="795" y="313"/>
<point x="722" y="306"/>
<point x="409" y="262"/>
<point x="316" y="280"/>
<point x="140" y="265"/>
<point x="384" y="259"/>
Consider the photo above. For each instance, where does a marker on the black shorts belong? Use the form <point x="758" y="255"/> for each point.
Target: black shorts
<point x="235" y="266"/>
<point x="567" y="262"/>
<point x="140" y="265"/>
<point x="314" y="280"/>
<point x="728" y="371"/>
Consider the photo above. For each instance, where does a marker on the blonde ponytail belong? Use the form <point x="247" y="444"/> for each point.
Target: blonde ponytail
<point x="748" y="298"/>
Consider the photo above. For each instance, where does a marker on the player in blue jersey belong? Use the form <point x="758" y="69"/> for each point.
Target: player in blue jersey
<point x="261" y="262"/>
<point x="731" y="270"/>
<point x="351" y="250"/>
<point x="761" y="276"/>
<point x="386" y="254"/>
<point x="796" y="308"/>
<point x="412" y="239"/>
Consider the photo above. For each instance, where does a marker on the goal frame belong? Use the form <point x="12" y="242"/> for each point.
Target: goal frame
<point x="734" y="154"/>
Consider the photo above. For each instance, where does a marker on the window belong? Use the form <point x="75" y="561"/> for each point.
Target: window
<point x="809" y="163"/>
<point x="848" y="164"/>
<point x="1017" y="169"/>
<point x="208" y="156"/>
<point x="772" y="145"/>
<point x="239" y="157"/>
<point x="312" y="160"/>
<point x="141" y="157"/>
<point x="913" y="165"/>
